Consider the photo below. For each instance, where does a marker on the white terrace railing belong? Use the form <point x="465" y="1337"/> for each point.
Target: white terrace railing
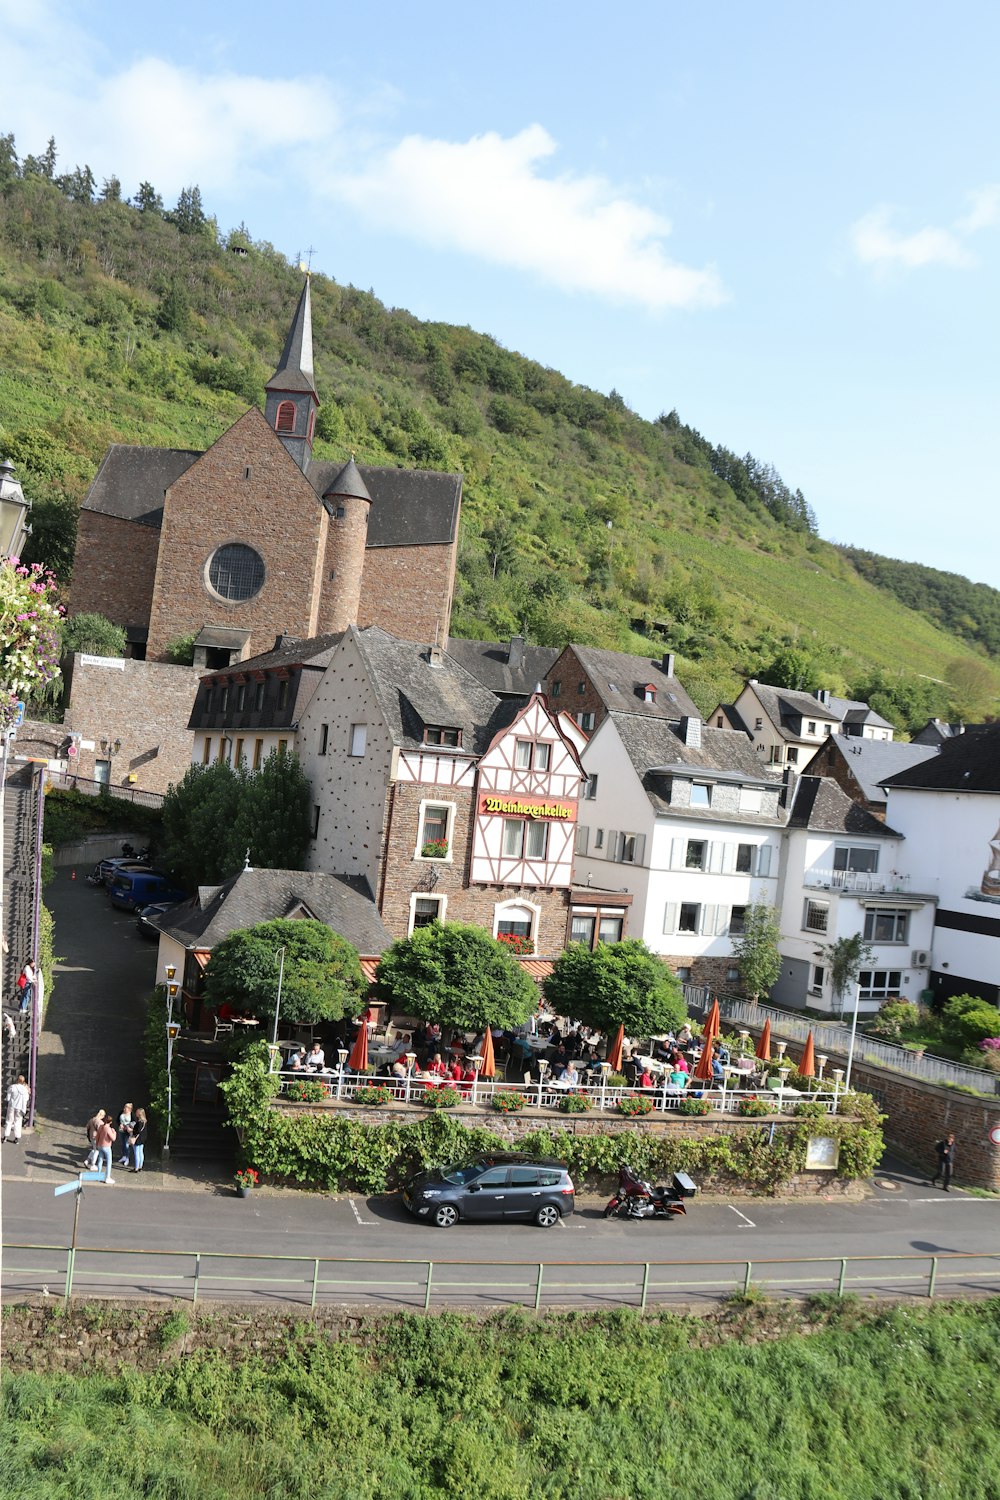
<point x="340" y="1088"/>
<point x="867" y="881"/>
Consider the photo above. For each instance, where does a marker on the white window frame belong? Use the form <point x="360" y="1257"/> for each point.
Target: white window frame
<point x="700" y="786"/>
<point x="872" y="914"/>
<point x="426" y="896"/>
<point x="823" y="906"/>
<point x="431" y="859"/>
<point x="588" y="714"/>
<point x="817" y="979"/>
<point x="359" y="741"/>
<point x="518" y="904"/>
<point x="883" y="991"/>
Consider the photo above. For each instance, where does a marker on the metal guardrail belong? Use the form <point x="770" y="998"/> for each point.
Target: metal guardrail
<point x="202" y="1275"/>
<point x="833" y="1039"/>
<point x="69" y="782"/>
<point x="341" y="1088"/>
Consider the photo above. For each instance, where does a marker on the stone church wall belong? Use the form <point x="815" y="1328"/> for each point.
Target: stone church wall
<point x="145" y="704"/>
<point x="114" y="568"/>
<point x="408" y="591"/>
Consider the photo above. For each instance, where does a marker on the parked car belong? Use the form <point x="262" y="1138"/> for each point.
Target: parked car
<point x="134" y="889"/>
<point x="144" y="914"/>
<point x="490" y="1188"/>
<point x="109" y="869"/>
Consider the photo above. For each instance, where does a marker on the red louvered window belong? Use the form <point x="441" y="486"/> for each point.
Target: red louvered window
<point x="286" y="417"/>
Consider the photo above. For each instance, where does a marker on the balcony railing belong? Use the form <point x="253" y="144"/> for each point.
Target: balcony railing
<point x="856" y="880"/>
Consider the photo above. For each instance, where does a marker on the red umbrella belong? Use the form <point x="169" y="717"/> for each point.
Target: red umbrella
<point x="703" y="1067"/>
<point x="615" y="1055"/>
<point x="489" y="1067"/>
<point x="713" y="1024"/>
<point x="764" y="1045"/>
<point x="358" y="1059"/>
<point x="807" y="1067"/>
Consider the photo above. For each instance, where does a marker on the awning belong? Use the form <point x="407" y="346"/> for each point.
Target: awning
<point x="537" y="968"/>
<point x="222" y="636"/>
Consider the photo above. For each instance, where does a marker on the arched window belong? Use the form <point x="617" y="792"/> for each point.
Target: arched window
<point x="285" y="421"/>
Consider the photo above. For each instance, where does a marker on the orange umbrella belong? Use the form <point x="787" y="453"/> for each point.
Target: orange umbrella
<point x="703" y="1067"/>
<point x="489" y="1067"/>
<point x="764" y="1045"/>
<point x="807" y="1067"/>
<point x="358" y="1059"/>
<point x="713" y="1024"/>
<point x="615" y="1055"/>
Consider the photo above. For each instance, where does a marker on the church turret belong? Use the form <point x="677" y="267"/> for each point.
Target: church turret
<point x="291" y="399"/>
<point x="348" y="504"/>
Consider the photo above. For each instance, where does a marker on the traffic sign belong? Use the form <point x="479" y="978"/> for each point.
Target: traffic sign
<point x="68" y="1187"/>
<point x="995" y="1135"/>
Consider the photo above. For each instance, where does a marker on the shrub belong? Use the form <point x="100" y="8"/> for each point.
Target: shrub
<point x="755" y="1107"/>
<point x="508" y="1104"/>
<point x="810" y="1109"/>
<point x="635" y="1104"/>
<point x="441" y="1098"/>
<point x="574" y="1104"/>
<point x="373" y="1093"/>
<point x="694" y="1107"/>
<point x="306" y="1091"/>
<point x="894" y="1016"/>
<point x="968" y="1020"/>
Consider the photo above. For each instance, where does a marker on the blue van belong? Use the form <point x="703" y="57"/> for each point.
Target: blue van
<point x="133" y="889"/>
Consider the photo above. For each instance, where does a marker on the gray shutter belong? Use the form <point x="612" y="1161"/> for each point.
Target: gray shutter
<point x="582" y="838"/>
<point x="640" y="848"/>
<point x="722" y="920"/>
<point x="677" y="854"/>
<point x="611" y="844"/>
<point x="706" y="925"/>
<point x="764" y="860"/>
<point x="715" y="857"/>
<point x="670" y="918"/>
<point x="728" y="858"/>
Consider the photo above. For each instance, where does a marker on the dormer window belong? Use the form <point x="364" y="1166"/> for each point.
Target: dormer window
<point x="285" y="419"/>
<point x="649" y="693"/>
<point x="440" y="734"/>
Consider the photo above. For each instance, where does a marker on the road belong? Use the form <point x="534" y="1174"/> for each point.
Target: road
<point x="499" y="1262"/>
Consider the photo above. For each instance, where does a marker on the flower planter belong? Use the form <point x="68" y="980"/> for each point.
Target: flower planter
<point x="243" y="1192"/>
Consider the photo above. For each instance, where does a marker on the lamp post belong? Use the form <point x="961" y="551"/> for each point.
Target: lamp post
<point x="854" y="1032"/>
<point x="475" y="1063"/>
<point x="411" y="1058"/>
<point x="14" y="508"/>
<point x="838" y="1078"/>
<point x="173" y="1027"/>
<point x="342" y="1059"/>
<point x="277" y="1005"/>
<point x="543" y="1064"/>
<point x="821" y="1062"/>
<point x="605" y="1070"/>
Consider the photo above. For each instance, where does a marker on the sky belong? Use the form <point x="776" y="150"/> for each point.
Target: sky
<point x="780" y="219"/>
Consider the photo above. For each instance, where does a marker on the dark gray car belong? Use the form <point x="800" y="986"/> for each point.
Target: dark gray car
<point x="492" y="1188"/>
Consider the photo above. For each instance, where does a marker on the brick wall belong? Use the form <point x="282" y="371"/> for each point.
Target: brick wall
<point x="146" y="705"/>
<point x="829" y="762"/>
<point x="921" y="1113"/>
<point x="114" y="568"/>
<point x="246" y="488"/>
<point x="343" y="565"/>
<point x="403" y="874"/>
<point x="569" y="672"/>
<point x="409" y="590"/>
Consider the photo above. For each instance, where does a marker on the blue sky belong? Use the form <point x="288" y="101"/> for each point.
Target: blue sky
<point x="782" y="220"/>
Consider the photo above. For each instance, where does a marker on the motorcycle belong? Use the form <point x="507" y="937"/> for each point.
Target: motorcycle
<point x="638" y="1199"/>
<point x="138" y="854"/>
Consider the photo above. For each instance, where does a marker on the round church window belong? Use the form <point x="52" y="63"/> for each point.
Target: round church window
<point x="236" y="572"/>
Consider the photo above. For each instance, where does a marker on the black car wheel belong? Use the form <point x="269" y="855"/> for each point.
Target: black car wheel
<point x="445" y="1215"/>
<point x="547" y="1215"/>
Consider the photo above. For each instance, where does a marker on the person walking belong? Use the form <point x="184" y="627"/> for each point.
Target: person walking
<point x="137" y="1140"/>
<point x="18" y="1096"/>
<point x="26" y="985"/>
<point x="946" y="1161"/>
<point x="106" y="1137"/>
<point x="93" y="1125"/>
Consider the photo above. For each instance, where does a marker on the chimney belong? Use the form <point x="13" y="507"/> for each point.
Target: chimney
<point x="668" y="664"/>
<point x="691" y="732"/>
<point x="515" y="653"/>
<point x="435" y="656"/>
<point x="822" y="695"/>
<point x="789" y="781"/>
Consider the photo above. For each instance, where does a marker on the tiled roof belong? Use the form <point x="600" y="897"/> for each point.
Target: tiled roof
<point x="782" y="704"/>
<point x="413" y="693"/>
<point x="823" y="807"/>
<point x="343" y="902"/>
<point x="619" y="679"/>
<point x="313" y="651"/>
<point x="871" y="761"/>
<point x="967" y="763"/>
<point x="295" y="368"/>
<point x="657" y="753"/>
<point x="490" y="662"/>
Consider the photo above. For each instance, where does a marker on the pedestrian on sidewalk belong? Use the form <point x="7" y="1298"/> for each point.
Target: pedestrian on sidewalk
<point x="106" y="1137"/>
<point x="18" y="1096"/>
<point x="26" y="985"/>
<point x="124" y="1133"/>
<point x="93" y="1125"/>
<point x="137" y="1140"/>
<point x="946" y="1161"/>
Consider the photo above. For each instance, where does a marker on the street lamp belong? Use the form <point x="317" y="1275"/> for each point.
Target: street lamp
<point x="277" y="1006"/>
<point x="14" y="508"/>
<point x="411" y="1058"/>
<point x="854" y="1031"/>
<point x="342" y="1059"/>
<point x="173" y="1028"/>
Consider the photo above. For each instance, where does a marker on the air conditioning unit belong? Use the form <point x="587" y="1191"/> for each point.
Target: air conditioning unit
<point x="919" y="958"/>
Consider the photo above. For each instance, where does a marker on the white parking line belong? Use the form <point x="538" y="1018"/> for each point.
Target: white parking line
<point x="354" y="1210"/>
<point x="747" y="1223"/>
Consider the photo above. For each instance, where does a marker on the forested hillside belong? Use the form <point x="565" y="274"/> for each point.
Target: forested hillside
<point x="123" y="321"/>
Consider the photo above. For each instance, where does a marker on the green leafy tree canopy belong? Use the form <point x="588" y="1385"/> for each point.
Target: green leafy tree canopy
<point x="756" y="950"/>
<point x="844" y="959"/>
<point x="322" y="978"/>
<point x="457" y="975"/>
<point x="616" y="984"/>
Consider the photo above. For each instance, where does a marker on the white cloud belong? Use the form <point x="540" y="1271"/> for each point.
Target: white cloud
<point x="877" y="243"/>
<point x="487" y="197"/>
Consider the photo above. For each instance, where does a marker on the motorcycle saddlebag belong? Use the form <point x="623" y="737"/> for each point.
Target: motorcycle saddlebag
<point x="683" y="1185"/>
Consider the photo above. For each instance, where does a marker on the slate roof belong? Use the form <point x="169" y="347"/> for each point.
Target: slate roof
<point x="658" y="753"/>
<point x="411" y="693"/>
<point x="348" y="483"/>
<point x="968" y="763"/>
<point x="823" y="807"/>
<point x="871" y="761"/>
<point x="344" y="902"/>
<point x="734" y="716"/>
<point x="295" y="368"/>
<point x="314" y="651"/>
<point x="410" y="507"/>
<point x="489" y="661"/>
<point x="618" y="680"/>
<point x="782" y="704"/>
<point x="936" y="730"/>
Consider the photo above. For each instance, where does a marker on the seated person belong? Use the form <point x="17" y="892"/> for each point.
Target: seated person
<point x="433" y="1036"/>
<point x="437" y="1066"/>
<point x="569" y="1075"/>
<point x="678" y="1080"/>
<point x="225" y="1012"/>
<point x="646" y="1080"/>
<point x="680" y="1062"/>
<point x="718" y="1072"/>
<point x="683" y="1041"/>
<point x="399" y="1068"/>
<point x="457" y="1070"/>
<point x="315" y="1059"/>
<point x="662" y="1050"/>
<point x="723" y="1053"/>
<point x="297" y="1060"/>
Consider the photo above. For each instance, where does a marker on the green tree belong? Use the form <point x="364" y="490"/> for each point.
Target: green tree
<point x="321" y="981"/>
<point x="93" y="633"/>
<point x="794" y="668"/>
<point x="845" y="959"/>
<point x="189" y="215"/>
<point x="275" y="821"/>
<point x="975" y="689"/>
<point x="969" y="1019"/>
<point x="53" y="530"/>
<point x="458" y="975"/>
<point x="756" y="949"/>
<point x="147" y="200"/>
<point x="616" y="984"/>
<point x="174" y="311"/>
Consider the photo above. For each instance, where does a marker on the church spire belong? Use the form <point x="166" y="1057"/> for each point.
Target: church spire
<point x="291" y="399"/>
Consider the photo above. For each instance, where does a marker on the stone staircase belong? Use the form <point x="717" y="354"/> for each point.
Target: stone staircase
<point x="199" y="1136"/>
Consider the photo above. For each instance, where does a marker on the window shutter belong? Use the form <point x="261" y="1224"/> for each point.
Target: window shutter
<point x="670" y="917"/>
<point x="677" y="854"/>
<point x="611" y="844"/>
<point x="722" y="918"/>
<point x="708" y="916"/>
<point x="716" y="853"/>
<point x="728" y="858"/>
<point x="640" y="848"/>
<point x="582" y="839"/>
<point x="764" y="860"/>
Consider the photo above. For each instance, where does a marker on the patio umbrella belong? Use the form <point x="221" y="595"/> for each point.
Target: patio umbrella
<point x="615" y="1054"/>
<point x="358" y="1059"/>
<point x="713" y="1023"/>
<point x="764" y="1045"/>
<point x="807" y="1067"/>
<point x="703" y="1067"/>
<point x="489" y="1067"/>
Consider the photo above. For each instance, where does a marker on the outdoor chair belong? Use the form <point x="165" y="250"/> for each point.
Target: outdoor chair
<point x="222" y="1028"/>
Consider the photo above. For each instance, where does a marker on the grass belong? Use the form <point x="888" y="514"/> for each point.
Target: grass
<point x="578" y="1407"/>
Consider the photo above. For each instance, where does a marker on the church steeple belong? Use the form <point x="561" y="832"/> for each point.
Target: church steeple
<point x="291" y="399"/>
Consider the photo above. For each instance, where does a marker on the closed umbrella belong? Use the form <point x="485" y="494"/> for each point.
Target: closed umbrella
<point x="358" y="1059"/>
<point x="615" y="1055"/>
<point x="703" y="1067"/>
<point x="764" y="1045"/>
<point x="807" y="1067"/>
<point x="489" y="1067"/>
<point x="713" y="1024"/>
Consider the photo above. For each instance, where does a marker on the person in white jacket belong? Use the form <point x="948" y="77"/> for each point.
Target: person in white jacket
<point x="18" y="1096"/>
